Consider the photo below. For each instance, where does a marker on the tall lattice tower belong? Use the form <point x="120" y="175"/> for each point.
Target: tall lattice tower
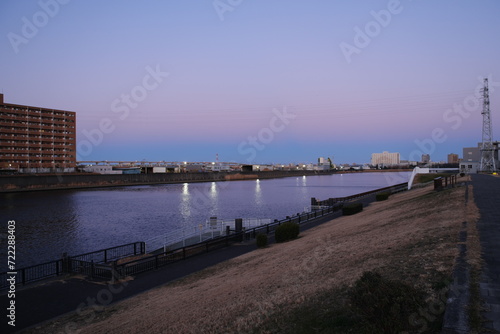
<point x="487" y="149"/>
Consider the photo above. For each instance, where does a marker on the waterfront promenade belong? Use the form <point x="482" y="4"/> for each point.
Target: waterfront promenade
<point x="84" y="299"/>
<point x="487" y="198"/>
<point x="58" y="297"/>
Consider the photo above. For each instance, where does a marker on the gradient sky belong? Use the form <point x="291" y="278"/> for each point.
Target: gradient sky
<point x="256" y="81"/>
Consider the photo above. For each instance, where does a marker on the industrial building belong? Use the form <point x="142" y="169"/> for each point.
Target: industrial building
<point x="35" y="140"/>
<point x="471" y="162"/>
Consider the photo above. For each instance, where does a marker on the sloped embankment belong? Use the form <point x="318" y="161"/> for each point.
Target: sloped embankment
<point x="412" y="237"/>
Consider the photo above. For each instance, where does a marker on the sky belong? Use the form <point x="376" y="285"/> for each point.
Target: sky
<point x="283" y="81"/>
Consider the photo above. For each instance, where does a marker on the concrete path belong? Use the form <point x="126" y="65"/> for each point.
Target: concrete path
<point x="486" y="189"/>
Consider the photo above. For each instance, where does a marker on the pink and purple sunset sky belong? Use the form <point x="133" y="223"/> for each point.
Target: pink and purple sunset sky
<point x="257" y="81"/>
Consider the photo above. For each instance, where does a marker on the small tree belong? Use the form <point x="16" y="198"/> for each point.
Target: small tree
<point x="287" y="231"/>
<point x="352" y="209"/>
<point x="382" y="196"/>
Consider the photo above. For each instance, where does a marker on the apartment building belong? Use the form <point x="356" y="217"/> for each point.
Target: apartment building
<point x="35" y="140"/>
<point x="385" y="158"/>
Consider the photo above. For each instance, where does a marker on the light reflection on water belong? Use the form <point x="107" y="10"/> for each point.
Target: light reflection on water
<point x="77" y="221"/>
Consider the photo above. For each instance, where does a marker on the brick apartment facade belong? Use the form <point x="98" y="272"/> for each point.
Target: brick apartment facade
<point x="34" y="139"/>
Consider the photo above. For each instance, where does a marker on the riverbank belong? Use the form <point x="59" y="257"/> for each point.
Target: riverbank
<point x="21" y="183"/>
<point x="292" y="287"/>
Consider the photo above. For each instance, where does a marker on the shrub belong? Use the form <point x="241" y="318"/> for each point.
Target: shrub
<point x="385" y="306"/>
<point x="382" y="196"/>
<point x="352" y="208"/>
<point x="287" y="231"/>
<point x="261" y="240"/>
<point x="462" y="174"/>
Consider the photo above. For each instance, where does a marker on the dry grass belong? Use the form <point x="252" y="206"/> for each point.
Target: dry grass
<point x="411" y="237"/>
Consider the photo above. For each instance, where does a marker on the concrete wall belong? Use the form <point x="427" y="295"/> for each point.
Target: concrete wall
<point x="68" y="181"/>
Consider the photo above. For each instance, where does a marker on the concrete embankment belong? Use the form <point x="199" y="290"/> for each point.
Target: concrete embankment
<point x="19" y="183"/>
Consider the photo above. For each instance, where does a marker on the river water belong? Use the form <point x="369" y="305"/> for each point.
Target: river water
<point x="49" y="223"/>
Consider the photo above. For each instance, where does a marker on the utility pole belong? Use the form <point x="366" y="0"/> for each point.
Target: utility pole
<point x="487" y="148"/>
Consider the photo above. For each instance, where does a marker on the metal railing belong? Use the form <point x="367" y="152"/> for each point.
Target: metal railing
<point x="31" y="274"/>
<point x="113" y="253"/>
<point x="91" y="264"/>
<point x="212" y="228"/>
<point x="156" y="261"/>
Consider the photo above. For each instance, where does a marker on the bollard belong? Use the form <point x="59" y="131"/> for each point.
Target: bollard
<point x="438" y="183"/>
<point x="238" y="226"/>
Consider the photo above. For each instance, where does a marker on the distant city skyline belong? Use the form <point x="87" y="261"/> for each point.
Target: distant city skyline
<point x="257" y="81"/>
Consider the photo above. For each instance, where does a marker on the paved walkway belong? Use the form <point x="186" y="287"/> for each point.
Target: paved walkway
<point x="486" y="190"/>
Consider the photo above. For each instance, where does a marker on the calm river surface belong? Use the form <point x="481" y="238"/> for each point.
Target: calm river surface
<point x="49" y="223"/>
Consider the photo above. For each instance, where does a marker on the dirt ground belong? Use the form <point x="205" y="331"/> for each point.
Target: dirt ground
<point x="412" y="236"/>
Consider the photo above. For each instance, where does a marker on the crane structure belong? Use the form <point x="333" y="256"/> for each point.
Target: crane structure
<point x="487" y="148"/>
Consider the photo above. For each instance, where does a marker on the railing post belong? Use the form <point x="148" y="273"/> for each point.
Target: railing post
<point x="105" y="256"/>
<point x="114" y="272"/>
<point x="92" y="269"/>
<point x="135" y="248"/>
<point x="23" y="276"/>
<point x="65" y="263"/>
<point x="183" y="252"/>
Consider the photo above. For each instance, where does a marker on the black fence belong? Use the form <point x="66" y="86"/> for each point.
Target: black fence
<point x="91" y="264"/>
<point x="164" y="258"/>
<point x="113" y="253"/>
<point x="31" y="274"/>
